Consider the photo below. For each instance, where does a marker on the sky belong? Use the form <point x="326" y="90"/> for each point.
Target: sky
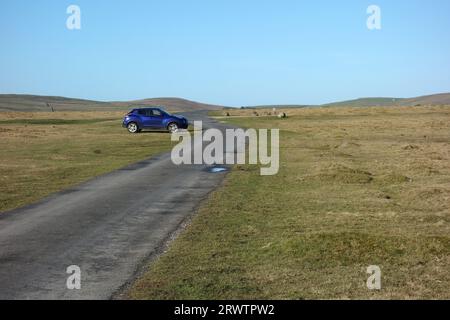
<point x="227" y="52"/>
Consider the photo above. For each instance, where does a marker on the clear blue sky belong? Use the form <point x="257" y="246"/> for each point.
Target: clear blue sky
<point x="230" y="52"/>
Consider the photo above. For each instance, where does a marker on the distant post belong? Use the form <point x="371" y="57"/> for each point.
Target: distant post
<point x="49" y="106"/>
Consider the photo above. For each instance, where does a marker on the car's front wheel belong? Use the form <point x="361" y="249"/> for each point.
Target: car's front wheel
<point x="172" y="127"/>
<point x="132" y="127"/>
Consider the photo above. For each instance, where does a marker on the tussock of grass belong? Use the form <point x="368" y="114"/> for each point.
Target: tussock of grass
<point x="348" y="195"/>
<point x="341" y="174"/>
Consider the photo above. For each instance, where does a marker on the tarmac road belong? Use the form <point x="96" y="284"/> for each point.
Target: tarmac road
<point x="109" y="226"/>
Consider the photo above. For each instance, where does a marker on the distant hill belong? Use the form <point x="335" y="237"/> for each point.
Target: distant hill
<point x="19" y="102"/>
<point x="434" y="99"/>
<point x="174" y="104"/>
<point x="365" y="102"/>
<point x="278" y="106"/>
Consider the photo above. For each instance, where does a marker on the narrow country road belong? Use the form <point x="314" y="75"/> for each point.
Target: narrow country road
<point x="109" y="226"/>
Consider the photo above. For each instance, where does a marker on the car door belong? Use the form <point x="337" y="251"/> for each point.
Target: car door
<point x="146" y="117"/>
<point x="157" y="119"/>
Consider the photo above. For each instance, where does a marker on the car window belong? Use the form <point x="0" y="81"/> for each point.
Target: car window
<point x="142" y="112"/>
<point x="157" y="113"/>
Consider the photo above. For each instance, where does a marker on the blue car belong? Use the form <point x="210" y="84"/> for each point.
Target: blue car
<point x="154" y="119"/>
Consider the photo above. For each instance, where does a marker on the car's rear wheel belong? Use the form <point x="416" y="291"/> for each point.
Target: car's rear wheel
<point x="132" y="127"/>
<point x="172" y="127"/>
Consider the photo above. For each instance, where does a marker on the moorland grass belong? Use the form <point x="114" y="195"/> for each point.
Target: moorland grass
<point x="45" y="152"/>
<point x="356" y="187"/>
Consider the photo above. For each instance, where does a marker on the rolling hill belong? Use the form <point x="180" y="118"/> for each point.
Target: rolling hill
<point x="365" y="102"/>
<point x="173" y="104"/>
<point x="441" y="99"/>
<point x="19" y="102"/>
<point x="434" y="99"/>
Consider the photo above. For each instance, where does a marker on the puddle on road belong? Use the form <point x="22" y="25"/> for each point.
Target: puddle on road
<point x="217" y="169"/>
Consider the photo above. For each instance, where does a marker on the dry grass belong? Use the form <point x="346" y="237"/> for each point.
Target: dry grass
<point x="61" y="115"/>
<point x="45" y="152"/>
<point x="357" y="187"/>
